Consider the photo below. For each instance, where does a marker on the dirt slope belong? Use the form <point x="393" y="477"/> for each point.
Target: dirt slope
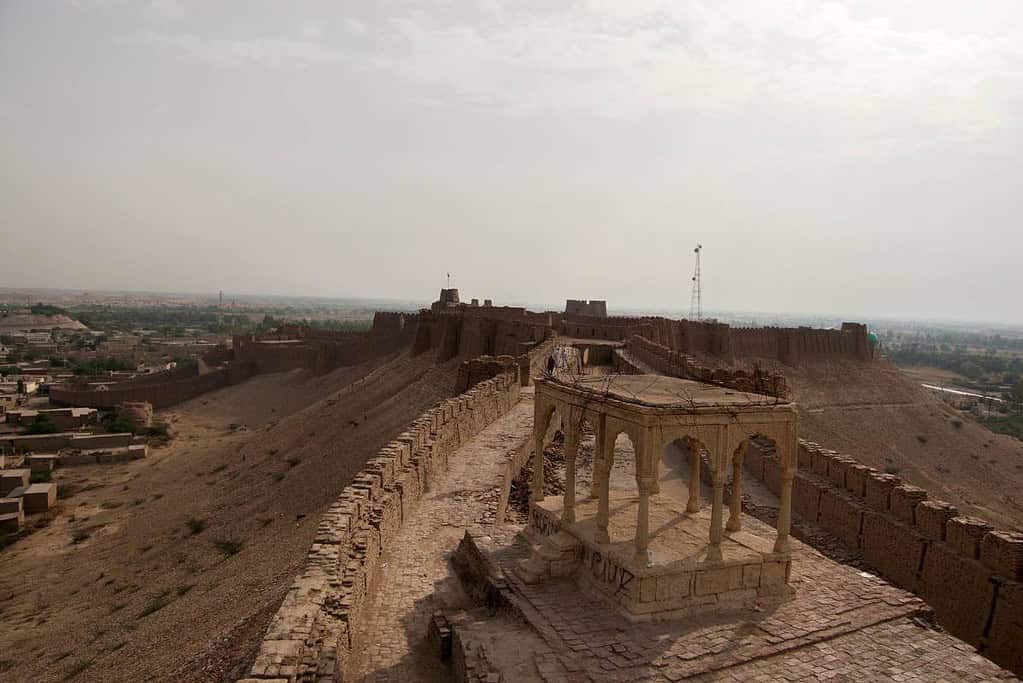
<point x="17" y="322"/>
<point x="876" y="414"/>
<point x="144" y="597"/>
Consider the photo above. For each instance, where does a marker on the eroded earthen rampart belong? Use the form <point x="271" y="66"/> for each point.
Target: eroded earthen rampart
<point x="289" y="348"/>
<point x="172" y="390"/>
<point x="315" y="631"/>
<point x="970" y="573"/>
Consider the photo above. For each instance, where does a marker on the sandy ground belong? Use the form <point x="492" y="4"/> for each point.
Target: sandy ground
<point x="939" y="376"/>
<point x="170" y="568"/>
<point x="886" y="420"/>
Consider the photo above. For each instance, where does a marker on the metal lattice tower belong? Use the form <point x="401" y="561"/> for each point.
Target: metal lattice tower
<point x="695" y="303"/>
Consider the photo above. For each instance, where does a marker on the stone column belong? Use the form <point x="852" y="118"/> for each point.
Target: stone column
<point x="655" y="465"/>
<point x="694" y="479"/>
<point x="601" y="473"/>
<point x="645" y="485"/>
<point x="781" y="544"/>
<point x="735" y="506"/>
<point x="571" y="450"/>
<point x="716" y="518"/>
<point x="602" y="480"/>
<point x="537" y="488"/>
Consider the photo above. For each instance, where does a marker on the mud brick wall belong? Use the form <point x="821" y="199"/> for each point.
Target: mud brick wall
<point x="970" y="573"/>
<point x="317" y="351"/>
<point x="318" y="625"/>
<point x="161" y="395"/>
<point x="677" y="364"/>
<point x="792" y="345"/>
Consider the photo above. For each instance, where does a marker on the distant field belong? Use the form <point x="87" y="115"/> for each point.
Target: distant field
<point x="931" y="375"/>
<point x="1009" y="424"/>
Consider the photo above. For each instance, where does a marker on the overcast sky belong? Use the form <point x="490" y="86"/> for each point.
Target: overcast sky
<point x="850" y="157"/>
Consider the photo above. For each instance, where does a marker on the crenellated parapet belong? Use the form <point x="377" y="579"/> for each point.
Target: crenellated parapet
<point x="970" y="573"/>
<point x="315" y="631"/>
<point x="677" y="364"/>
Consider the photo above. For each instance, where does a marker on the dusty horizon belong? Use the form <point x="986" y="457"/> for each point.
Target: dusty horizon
<point x="829" y="158"/>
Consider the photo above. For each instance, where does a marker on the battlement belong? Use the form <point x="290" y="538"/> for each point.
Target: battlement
<point x="313" y="634"/>
<point x="594" y="308"/>
<point x="677" y="364"/>
<point x="970" y="573"/>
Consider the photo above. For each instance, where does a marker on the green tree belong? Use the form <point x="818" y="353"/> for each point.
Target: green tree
<point x="42" y="425"/>
<point x="971" y="370"/>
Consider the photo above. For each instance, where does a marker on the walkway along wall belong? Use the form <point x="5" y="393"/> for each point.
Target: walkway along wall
<point x="969" y="573"/>
<point x="314" y="632"/>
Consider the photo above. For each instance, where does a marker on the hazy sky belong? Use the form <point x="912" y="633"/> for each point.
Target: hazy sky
<point x="855" y="157"/>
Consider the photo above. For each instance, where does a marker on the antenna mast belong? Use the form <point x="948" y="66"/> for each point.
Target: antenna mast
<point x="695" y="303"/>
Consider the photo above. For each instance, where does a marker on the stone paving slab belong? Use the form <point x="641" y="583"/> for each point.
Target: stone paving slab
<point x="843" y="623"/>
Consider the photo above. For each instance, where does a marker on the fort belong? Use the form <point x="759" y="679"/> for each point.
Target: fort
<point x="577" y="496"/>
<point x="600" y="564"/>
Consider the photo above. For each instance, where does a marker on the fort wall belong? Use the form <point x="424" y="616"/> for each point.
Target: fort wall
<point x="475" y="331"/>
<point x="968" y="572"/>
<point x="594" y="307"/>
<point x="527" y="365"/>
<point x="289" y="348"/>
<point x="160" y="395"/>
<point x="677" y="364"/>
<point x="487" y="331"/>
<point x="314" y="632"/>
<point x="51" y="443"/>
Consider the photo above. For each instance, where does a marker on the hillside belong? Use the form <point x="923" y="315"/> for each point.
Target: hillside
<point x="875" y="413"/>
<point x="24" y="322"/>
<point x="182" y="558"/>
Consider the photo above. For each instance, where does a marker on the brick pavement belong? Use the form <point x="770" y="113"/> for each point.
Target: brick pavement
<point x="843" y="624"/>
<point x="415" y="577"/>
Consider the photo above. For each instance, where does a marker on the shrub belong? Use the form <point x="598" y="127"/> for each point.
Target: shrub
<point x="195" y="526"/>
<point x="77" y="667"/>
<point x="155" y="604"/>
<point x="228" y="546"/>
<point x="158" y="430"/>
<point x="120" y="425"/>
<point x="42" y="425"/>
